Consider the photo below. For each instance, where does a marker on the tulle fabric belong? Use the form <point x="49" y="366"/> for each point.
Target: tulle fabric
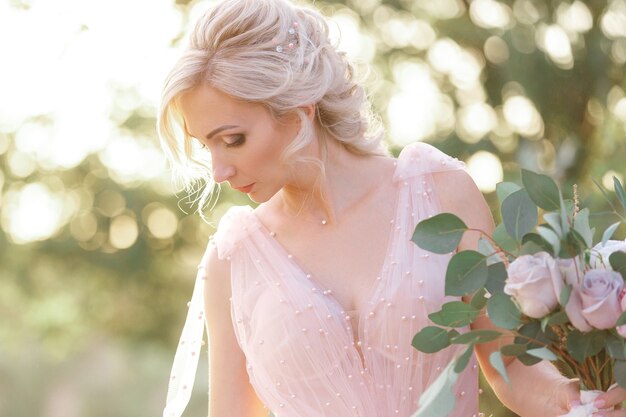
<point x="307" y="356"/>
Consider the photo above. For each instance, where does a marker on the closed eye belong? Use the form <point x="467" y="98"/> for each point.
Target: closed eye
<point x="234" y="141"/>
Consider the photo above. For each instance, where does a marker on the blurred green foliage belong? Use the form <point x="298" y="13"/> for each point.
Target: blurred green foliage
<point x="84" y="312"/>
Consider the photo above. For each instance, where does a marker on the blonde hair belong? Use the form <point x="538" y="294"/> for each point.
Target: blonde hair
<point x="277" y="54"/>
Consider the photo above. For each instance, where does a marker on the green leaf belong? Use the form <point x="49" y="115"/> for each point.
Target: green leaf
<point x="504" y="189"/>
<point x="476" y="337"/>
<point x="513" y="350"/>
<point x="566" y="212"/>
<point x="542" y="353"/>
<point x="619" y="190"/>
<point x="431" y="339"/>
<point x="486" y="248"/>
<point x="455" y="314"/>
<point x="496" y="277"/>
<point x="554" y="221"/>
<point x="619" y="370"/>
<point x="439" y="400"/>
<point x="558" y="318"/>
<point x="552" y="238"/>
<point x="581" y="345"/>
<point x="609" y="232"/>
<point x="542" y="190"/>
<point x="519" y="214"/>
<point x="566" y="292"/>
<point x="532" y="334"/>
<point x="621" y="320"/>
<point x="618" y="262"/>
<point x="503" y="312"/>
<point x="463" y="360"/>
<point x="616" y="347"/>
<point x="479" y="300"/>
<point x="466" y="273"/>
<point x="581" y="225"/>
<point x="439" y="234"/>
<point x="495" y="359"/>
<point x="503" y="239"/>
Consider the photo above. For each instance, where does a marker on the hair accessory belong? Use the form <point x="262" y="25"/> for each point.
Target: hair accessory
<point x="293" y="38"/>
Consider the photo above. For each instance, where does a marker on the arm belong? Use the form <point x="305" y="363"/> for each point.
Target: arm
<point x="538" y="390"/>
<point x="230" y="393"/>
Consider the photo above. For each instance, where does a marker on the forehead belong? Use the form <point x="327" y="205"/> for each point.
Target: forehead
<point x="205" y="108"/>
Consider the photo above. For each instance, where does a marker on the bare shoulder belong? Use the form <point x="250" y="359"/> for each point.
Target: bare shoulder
<point x="458" y="194"/>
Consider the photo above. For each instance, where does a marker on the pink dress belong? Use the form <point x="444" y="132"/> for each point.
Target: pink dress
<point x="307" y="356"/>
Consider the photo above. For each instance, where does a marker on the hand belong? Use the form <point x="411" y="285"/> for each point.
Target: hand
<point x="612" y="398"/>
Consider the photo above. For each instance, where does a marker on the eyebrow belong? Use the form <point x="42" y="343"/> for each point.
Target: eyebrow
<point x="218" y="130"/>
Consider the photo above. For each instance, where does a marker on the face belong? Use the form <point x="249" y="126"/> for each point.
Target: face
<point x="244" y="140"/>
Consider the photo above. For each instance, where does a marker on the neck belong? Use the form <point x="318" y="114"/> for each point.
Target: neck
<point x="321" y="193"/>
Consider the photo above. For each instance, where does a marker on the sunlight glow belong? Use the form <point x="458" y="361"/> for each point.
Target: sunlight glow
<point x="607" y="179"/>
<point x="346" y="31"/>
<point x="613" y="22"/>
<point x="123" y="232"/>
<point x="162" y="223"/>
<point x="522" y="116"/>
<point x="485" y="169"/>
<point x="554" y="40"/>
<point x="33" y="213"/>
<point x="575" y="17"/>
<point x="490" y="14"/>
<point x="475" y="121"/>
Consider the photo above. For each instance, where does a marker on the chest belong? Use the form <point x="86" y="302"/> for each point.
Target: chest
<point x="346" y="258"/>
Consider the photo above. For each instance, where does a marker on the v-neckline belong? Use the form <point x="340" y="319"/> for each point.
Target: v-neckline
<point x="378" y="282"/>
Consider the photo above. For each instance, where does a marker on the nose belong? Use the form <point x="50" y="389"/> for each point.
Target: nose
<point x="222" y="170"/>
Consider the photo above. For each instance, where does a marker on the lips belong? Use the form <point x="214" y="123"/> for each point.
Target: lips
<point x="245" y="189"/>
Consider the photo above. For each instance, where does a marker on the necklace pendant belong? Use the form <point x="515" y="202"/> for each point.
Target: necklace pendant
<point x="323" y="222"/>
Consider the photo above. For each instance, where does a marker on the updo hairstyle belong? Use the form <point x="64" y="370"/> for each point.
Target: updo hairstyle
<point x="272" y="53"/>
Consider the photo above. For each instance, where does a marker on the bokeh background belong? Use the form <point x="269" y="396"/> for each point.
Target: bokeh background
<point x="98" y="248"/>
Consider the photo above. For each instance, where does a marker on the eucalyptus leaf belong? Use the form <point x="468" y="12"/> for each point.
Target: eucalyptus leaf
<point x="609" y="232"/>
<point x="486" y="248"/>
<point x="519" y="214"/>
<point x="476" y="337"/>
<point x="513" y="350"/>
<point x="565" y="213"/>
<point x="618" y="262"/>
<point x="463" y="360"/>
<point x="566" y="293"/>
<point x="479" y="300"/>
<point x="495" y="359"/>
<point x="619" y="190"/>
<point x="431" y="339"/>
<point x="503" y="239"/>
<point x="504" y="189"/>
<point x="549" y="236"/>
<point x="616" y="347"/>
<point x="581" y="225"/>
<point x="554" y="221"/>
<point x="619" y="370"/>
<point x="439" y="400"/>
<point x="542" y="190"/>
<point x="467" y="272"/>
<point x="582" y="345"/>
<point x="542" y="353"/>
<point x="440" y="233"/>
<point x="503" y="312"/>
<point x="536" y="238"/>
<point x="455" y="314"/>
<point x="496" y="277"/>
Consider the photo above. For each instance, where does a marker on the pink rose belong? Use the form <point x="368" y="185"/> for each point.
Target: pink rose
<point x="600" y="254"/>
<point x="573" y="275"/>
<point x="600" y="292"/>
<point x="535" y="283"/>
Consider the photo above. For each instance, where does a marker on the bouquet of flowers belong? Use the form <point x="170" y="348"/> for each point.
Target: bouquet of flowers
<point x="543" y="279"/>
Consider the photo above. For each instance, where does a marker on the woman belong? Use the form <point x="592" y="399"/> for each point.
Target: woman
<point x="311" y="300"/>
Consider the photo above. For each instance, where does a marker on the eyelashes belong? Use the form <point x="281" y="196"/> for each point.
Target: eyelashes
<point x="239" y="140"/>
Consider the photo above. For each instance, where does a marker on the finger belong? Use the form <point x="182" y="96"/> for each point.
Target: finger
<point x="615" y="413"/>
<point x="611" y="398"/>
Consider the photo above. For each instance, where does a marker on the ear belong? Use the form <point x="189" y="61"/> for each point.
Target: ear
<point x="309" y="110"/>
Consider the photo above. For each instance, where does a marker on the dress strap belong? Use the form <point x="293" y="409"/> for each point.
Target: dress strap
<point x="185" y="365"/>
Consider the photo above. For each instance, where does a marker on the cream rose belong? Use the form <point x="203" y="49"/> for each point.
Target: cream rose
<point x="600" y="292"/>
<point x="599" y="257"/>
<point x="535" y="283"/>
